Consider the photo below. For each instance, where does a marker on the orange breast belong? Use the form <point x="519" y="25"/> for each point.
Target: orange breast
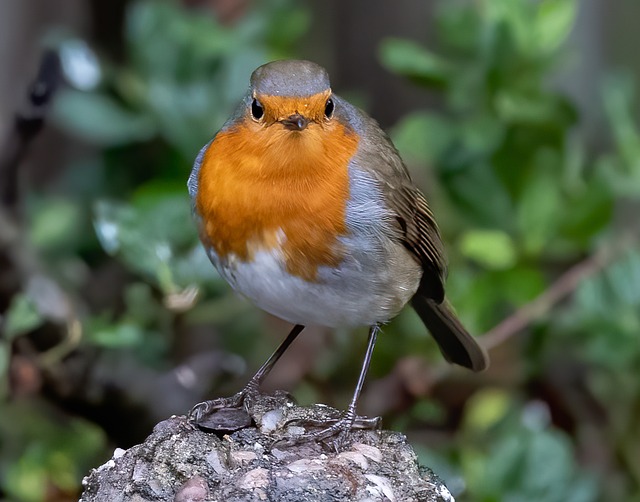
<point x="264" y="187"/>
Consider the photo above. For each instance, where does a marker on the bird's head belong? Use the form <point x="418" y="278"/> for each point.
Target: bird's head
<point x="291" y="95"/>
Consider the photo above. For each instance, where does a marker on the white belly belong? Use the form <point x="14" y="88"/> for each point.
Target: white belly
<point x="365" y="289"/>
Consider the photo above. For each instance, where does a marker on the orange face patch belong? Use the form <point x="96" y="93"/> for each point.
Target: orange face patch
<point x="262" y="186"/>
<point x="279" y="107"/>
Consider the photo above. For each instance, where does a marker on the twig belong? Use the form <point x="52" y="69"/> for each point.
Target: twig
<point x="558" y="291"/>
<point x="28" y="122"/>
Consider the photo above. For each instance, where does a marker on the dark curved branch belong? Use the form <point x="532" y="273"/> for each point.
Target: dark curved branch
<point x="29" y="120"/>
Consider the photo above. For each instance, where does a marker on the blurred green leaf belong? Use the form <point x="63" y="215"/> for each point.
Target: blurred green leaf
<point x="100" y="119"/>
<point x="486" y="409"/>
<point x="604" y="315"/>
<point x="491" y="248"/>
<point x="412" y="60"/>
<point x="422" y="137"/>
<point x="116" y="335"/>
<point x="481" y="135"/>
<point x="189" y="39"/>
<point x="155" y="237"/>
<point x="624" y="277"/>
<point x="553" y="24"/>
<point x="514" y="16"/>
<point x="458" y="26"/>
<point x="518" y="107"/>
<point x="540" y="203"/>
<point x="287" y="24"/>
<point x="619" y="97"/>
<point x="521" y="284"/>
<point x="592" y="207"/>
<point x="470" y="187"/>
<point x="55" y="224"/>
<point x="428" y="410"/>
<point x="22" y="317"/>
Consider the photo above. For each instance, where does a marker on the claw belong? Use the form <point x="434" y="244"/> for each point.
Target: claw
<point x="335" y="431"/>
<point x="233" y="413"/>
<point x="226" y="414"/>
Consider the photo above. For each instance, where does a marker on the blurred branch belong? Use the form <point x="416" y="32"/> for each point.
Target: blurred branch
<point x="558" y="291"/>
<point x="14" y="259"/>
<point x="28" y="122"/>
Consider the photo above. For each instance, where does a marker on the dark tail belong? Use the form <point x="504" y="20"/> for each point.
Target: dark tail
<point x="455" y="342"/>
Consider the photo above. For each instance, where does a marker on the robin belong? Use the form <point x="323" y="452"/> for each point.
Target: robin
<point x="305" y="207"/>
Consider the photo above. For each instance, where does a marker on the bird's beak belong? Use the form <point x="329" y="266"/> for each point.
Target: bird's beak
<point x="295" y="122"/>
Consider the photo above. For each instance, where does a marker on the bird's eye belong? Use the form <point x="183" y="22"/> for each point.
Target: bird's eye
<point x="328" y="108"/>
<point x="256" y="109"/>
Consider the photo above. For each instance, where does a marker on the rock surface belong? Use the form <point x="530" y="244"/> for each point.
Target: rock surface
<point x="181" y="463"/>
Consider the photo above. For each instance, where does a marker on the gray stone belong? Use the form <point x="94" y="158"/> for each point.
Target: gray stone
<point x="180" y="463"/>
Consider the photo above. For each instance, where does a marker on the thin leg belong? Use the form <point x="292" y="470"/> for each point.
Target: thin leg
<point x="203" y="411"/>
<point x="350" y="419"/>
<point x="371" y="343"/>
<point x="266" y="368"/>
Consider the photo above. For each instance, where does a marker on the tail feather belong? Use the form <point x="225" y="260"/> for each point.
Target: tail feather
<point x="455" y="342"/>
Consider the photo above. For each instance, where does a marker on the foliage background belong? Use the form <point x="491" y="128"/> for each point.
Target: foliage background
<point x="513" y="115"/>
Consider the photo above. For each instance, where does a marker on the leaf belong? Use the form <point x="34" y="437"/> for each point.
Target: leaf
<point x="540" y="203"/>
<point x="481" y="134"/>
<point x="592" y="206"/>
<point x="458" y="26"/>
<point x="100" y="119"/>
<point x="514" y="106"/>
<point x="55" y="224"/>
<point x="521" y="284"/>
<point x="493" y="249"/>
<point x="286" y="25"/>
<point x="412" y="60"/>
<point x="624" y="277"/>
<point x="118" y="335"/>
<point x="514" y="16"/>
<point x="429" y="410"/>
<point x="80" y="64"/>
<point x="476" y="190"/>
<point x="421" y="137"/>
<point x="486" y="409"/>
<point x="22" y="317"/>
<point x="618" y="95"/>
<point x="553" y="24"/>
<point x="155" y="237"/>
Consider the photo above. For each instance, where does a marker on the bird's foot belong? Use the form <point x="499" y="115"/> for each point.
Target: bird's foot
<point x="225" y="414"/>
<point x="333" y="430"/>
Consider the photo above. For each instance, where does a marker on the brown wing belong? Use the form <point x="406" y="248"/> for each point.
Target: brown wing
<point x="416" y="227"/>
<point x="418" y="232"/>
<point x="420" y="235"/>
<point x="422" y="238"/>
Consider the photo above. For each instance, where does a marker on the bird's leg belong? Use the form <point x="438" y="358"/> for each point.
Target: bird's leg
<point x="202" y="413"/>
<point x="350" y="420"/>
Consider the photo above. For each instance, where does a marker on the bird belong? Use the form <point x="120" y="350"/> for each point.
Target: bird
<point x="305" y="207"/>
